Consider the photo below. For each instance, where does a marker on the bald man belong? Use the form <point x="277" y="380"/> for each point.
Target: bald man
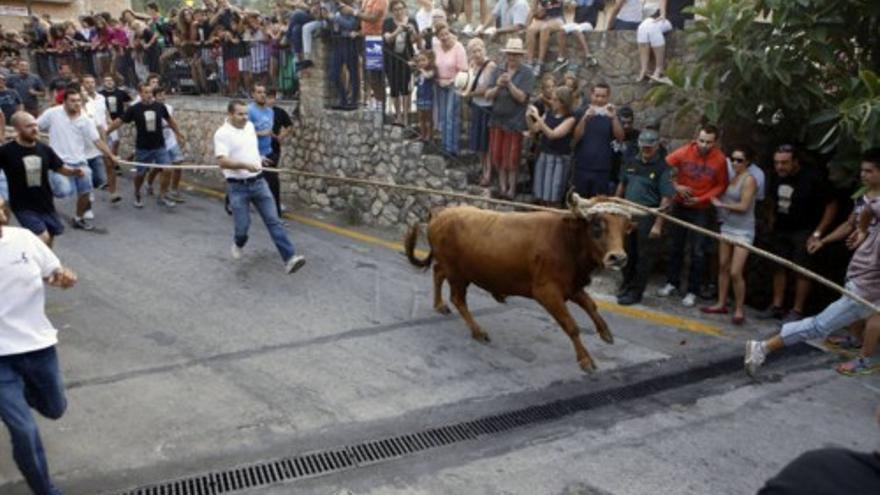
<point x="26" y="163"/>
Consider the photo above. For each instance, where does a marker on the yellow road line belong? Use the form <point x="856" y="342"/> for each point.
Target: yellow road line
<point x="658" y="317"/>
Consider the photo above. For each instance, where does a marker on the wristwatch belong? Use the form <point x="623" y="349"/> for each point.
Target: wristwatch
<point x="817" y="234"/>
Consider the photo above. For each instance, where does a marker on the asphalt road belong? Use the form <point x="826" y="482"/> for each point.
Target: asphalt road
<point x="180" y="360"/>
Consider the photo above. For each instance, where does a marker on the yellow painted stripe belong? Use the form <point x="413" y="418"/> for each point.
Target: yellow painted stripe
<point x="666" y="319"/>
<point x="658" y="317"/>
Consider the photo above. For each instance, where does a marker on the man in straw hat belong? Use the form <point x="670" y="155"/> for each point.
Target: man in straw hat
<point x="509" y="90"/>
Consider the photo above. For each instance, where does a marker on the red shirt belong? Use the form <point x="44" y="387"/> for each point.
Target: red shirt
<point x="374" y="7"/>
<point x="705" y="175"/>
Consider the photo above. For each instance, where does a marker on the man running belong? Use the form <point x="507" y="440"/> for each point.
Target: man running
<point x="27" y="163"/>
<point x="96" y="108"/>
<point x="147" y="115"/>
<point x="117" y="102"/>
<point x="29" y="373"/>
<point x="69" y="131"/>
<point x="236" y="148"/>
<point x="174" y="153"/>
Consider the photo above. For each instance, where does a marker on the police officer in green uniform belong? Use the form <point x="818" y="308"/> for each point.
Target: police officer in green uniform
<point x="644" y="179"/>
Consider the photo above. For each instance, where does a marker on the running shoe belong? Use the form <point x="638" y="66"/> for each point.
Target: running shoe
<point x="295" y="262"/>
<point x="755" y="356"/>
<point x="82" y="224"/>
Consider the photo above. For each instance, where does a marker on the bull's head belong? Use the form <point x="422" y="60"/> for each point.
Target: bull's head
<point x="608" y="225"/>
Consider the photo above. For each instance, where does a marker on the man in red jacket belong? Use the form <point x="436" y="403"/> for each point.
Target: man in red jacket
<point x="699" y="174"/>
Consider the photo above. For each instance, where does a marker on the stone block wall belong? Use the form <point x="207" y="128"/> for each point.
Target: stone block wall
<point x="357" y="144"/>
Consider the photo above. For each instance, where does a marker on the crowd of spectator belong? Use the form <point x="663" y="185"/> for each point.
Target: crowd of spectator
<point x="534" y="128"/>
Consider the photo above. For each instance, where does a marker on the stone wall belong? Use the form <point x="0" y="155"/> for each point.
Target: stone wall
<point x="357" y="144"/>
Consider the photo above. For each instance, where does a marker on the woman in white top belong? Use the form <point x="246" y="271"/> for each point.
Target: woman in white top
<point x="736" y="210"/>
<point x="480" y="108"/>
<point x="626" y="15"/>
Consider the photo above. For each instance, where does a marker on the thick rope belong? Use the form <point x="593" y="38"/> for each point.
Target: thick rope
<point x="516" y="204"/>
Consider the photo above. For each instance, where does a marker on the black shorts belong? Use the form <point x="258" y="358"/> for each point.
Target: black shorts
<point x="791" y="245"/>
<point x="586" y="14"/>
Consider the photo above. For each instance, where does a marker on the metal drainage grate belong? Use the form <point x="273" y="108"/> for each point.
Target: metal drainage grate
<point x="376" y="451"/>
<point x="253" y="476"/>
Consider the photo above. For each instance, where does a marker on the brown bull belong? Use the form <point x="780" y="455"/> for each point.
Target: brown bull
<point x="546" y="256"/>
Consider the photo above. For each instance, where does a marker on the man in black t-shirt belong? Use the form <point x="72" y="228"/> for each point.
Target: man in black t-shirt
<point x="802" y="210"/>
<point x="281" y="126"/>
<point x="117" y="101"/>
<point x="147" y="116"/>
<point x="26" y="163"/>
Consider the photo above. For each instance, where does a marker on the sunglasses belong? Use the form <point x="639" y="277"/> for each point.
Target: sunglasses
<point x="737" y="160"/>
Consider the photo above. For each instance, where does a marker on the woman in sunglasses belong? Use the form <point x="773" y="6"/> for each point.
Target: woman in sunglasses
<point x="736" y="211"/>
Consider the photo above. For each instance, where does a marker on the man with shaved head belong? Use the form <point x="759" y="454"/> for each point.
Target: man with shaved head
<point x="26" y="163"/>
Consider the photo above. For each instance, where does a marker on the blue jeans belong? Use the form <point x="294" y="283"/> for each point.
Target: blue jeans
<point x="680" y="237"/>
<point x="158" y="156"/>
<point x="839" y="314"/>
<point x="31" y="380"/>
<point x="4" y="186"/>
<point x="257" y="192"/>
<point x="64" y="186"/>
<point x="448" y="117"/>
<point x="99" y="171"/>
<point x="298" y="19"/>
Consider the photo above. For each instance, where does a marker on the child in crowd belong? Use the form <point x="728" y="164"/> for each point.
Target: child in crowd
<point x="424" y="62"/>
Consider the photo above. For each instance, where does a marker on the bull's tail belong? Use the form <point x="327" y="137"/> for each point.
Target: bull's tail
<point x="409" y="243"/>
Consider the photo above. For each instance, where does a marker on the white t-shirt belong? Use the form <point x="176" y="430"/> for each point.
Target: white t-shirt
<point x="68" y="136"/>
<point x="631" y="11"/>
<point x="423" y="19"/>
<point x="511" y="12"/>
<point x="239" y="145"/>
<point x="167" y="132"/>
<point x="96" y="109"/>
<point x="24" y="262"/>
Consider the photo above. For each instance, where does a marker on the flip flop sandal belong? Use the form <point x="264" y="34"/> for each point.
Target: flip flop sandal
<point x="843" y="342"/>
<point x="857" y="367"/>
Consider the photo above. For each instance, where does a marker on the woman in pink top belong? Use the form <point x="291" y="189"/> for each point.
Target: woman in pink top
<point x="450" y="59"/>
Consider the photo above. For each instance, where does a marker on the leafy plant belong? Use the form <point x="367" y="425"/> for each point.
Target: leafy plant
<point x="800" y="70"/>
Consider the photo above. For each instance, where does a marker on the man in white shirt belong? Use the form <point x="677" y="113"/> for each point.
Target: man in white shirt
<point x="236" y="149"/>
<point x="29" y="373"/>
<point x="96" y="109"/>
<point x="69" y="131"/>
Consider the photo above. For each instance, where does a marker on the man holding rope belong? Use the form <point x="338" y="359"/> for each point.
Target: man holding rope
<point x="863" y="279"/>
<point x="236" y="148"/>
<point x="147" y="115"/>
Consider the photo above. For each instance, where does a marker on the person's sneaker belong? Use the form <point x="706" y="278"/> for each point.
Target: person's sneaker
<point x="791" y="317"/>
<point x="629" y="298"/>
<point x="561" y="63"/>
<point x="82" y="224"/>
<point x="294" y="263"/>
<point x="755" y="356"/>
<point x="772" y="313"/>
<point x="689" y="300"/>
<point x="149" y="190"/>
<point x="666" y="291"/>
<point x="176" y="197"/>
<point x="468" y="30"/>
<point x="89" y="215"/>
<point x="103" y="187"/>
<point x="165" y="201"/>
<point x="115" y="198"/>
<point x="236" y="251"/>
<point x="138" y="202"/>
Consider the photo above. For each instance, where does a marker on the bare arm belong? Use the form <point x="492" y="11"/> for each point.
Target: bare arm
<point x="750" y="188"/>
<point x="172" y="123"/>
<point x="102" y="146"/>
<point x="562" y="130"/>
<point x="226" y="163"/>
<point x="116" y="124"/>
<point x="827" y="216"/>
<point x="617" y="129"/>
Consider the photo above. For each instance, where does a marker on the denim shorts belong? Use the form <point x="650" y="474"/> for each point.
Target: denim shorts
<point x="175" y="154"/>
<point x="39" y="222"/>
<point x="158" y="156"/>
<point x="64" y="186"/>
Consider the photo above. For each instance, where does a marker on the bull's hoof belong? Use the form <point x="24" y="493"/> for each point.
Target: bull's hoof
<point x="587" y="365"/>
<point x="481" y="337"/>
<point x="443" y="309"/>
<point x="607" y="337"/>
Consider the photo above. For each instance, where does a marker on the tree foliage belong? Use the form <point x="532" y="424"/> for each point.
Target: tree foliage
<point x="804" y="71"/>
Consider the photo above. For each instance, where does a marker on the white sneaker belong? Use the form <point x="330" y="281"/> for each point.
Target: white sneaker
<point x="690" y="299"/>
<point x="755" y="356"/>
<point x="138" y="202"/>
<point x="89" y="215"/>
<point x="294" y="263"/>
<point x="236" y="252"/>
<point x="468" y="30"/>
<point x="666" y="290"/>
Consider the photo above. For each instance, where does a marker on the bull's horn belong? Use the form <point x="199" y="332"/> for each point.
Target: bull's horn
<point x="578" y="205"/>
